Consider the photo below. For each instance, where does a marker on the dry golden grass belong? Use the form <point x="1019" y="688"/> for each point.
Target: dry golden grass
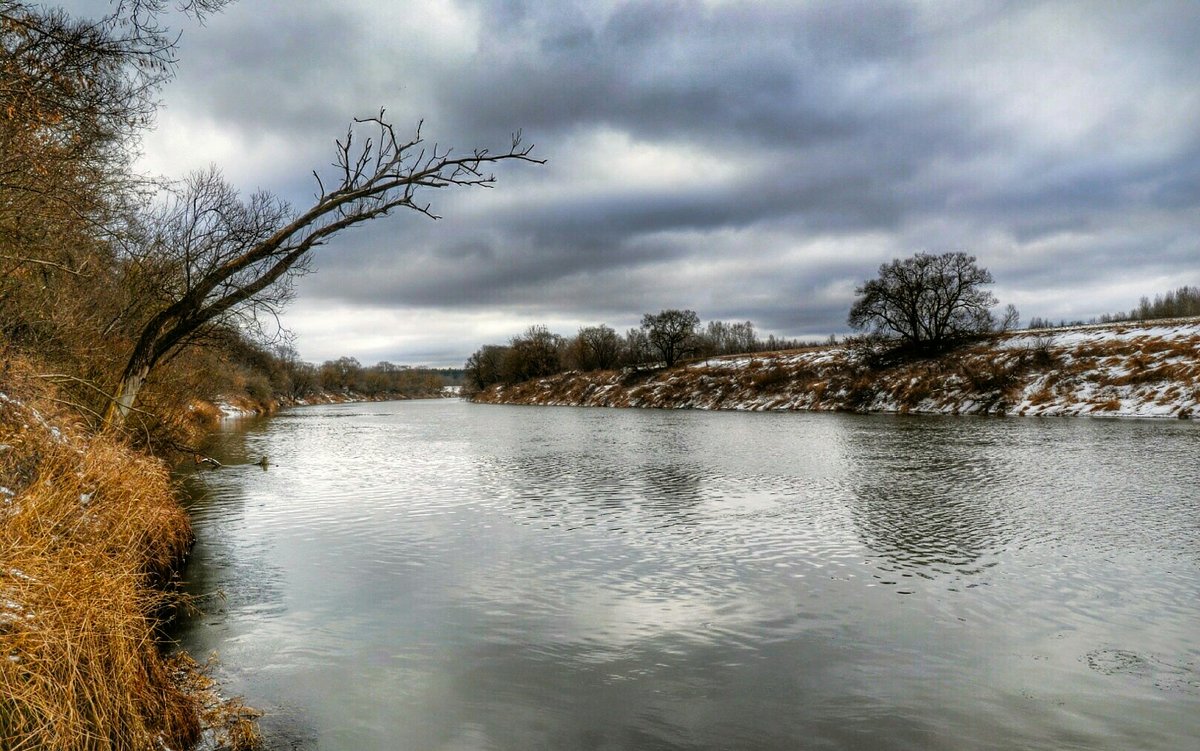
<point x="89" y="531"/>
<point x="204" y="414"/>
<point x="772" y="378"/>
<point x="1100" y="349"/>
<point x="1043" y="395"/>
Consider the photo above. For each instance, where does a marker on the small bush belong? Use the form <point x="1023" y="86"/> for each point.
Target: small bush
<point x="1041" y="353"/>
<point x="770" y="378"/>
<point x="1044" y="394"/>
<point x="258" y="388"/>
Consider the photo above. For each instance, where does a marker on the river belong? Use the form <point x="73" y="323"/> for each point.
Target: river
<point x="441" y="575"/>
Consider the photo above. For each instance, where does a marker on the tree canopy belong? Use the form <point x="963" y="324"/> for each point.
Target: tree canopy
<point x="928" y="301"/>
<point x="671" y="333"/>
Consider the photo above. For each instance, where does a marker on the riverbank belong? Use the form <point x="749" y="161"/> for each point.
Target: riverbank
<point x="208" y="413"/>
<point x="91" y="541"/>
<point x="90" y="538"/>
<point x="1116" y="370"/>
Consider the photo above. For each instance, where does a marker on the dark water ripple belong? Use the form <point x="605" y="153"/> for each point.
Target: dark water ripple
<point x="438" y="575"/>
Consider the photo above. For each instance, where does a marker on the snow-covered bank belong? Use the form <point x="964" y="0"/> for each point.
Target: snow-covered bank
<point x="1114" y="370"/>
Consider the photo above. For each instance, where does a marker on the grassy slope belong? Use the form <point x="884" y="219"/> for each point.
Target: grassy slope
<point x="1150" y="369"/>
<point x="88" y="530"/>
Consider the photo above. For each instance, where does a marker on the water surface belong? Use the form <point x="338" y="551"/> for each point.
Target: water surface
<point x="439" y="575"/>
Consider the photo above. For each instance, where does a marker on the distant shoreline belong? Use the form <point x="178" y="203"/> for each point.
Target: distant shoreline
<point x="241" y="407"/>
<point x="1143" y="369"/>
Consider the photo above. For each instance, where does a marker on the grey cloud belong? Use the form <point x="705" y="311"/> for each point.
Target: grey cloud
<point x="872" y="123"/>
<point x="769" y="78"/>
<point x="285" y="67"/>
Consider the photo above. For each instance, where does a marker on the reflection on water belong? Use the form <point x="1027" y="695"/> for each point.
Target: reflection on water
<point x="442" y="575"/>
<point x="930" y="499"/>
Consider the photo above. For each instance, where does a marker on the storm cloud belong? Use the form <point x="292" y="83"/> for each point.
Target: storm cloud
<point x="745" y="159"/>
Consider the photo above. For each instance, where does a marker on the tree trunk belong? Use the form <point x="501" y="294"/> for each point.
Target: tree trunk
<point x="127" y="390"/>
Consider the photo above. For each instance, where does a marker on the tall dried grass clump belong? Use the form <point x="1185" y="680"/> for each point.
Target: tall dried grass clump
<point x="88" y="531"/>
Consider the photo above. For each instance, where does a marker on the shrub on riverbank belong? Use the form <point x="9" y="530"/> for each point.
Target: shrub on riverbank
<point x="89" y="535"/>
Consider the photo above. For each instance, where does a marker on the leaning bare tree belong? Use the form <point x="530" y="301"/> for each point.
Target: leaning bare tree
<point x="227" y="257"/>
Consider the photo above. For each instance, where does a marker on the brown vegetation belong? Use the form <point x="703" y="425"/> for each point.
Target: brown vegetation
<point x="142" y="296"/>
<point x="663" y="338"/>
<point x="89" y="535"/>
<point x="1110" y="372"/>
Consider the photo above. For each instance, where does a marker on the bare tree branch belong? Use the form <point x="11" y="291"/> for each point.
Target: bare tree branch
<point x="41" y="262"/>
<point x="231" y="253"/>
<point x="929" y="301"/>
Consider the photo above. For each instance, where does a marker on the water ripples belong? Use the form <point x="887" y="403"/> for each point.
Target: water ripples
<point x="574" y="553"/>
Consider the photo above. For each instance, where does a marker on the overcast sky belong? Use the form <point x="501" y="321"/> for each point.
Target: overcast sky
<point x="750" y="160"/>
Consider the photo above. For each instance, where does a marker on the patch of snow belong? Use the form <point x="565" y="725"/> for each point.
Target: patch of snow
<point x="229" y="411"/>
<point x="1092" y="377"/>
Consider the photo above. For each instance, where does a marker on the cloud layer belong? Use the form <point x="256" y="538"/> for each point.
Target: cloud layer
<point x="748" y="160"/>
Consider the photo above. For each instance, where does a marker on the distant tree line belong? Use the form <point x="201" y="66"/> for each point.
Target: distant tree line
<point x="664" y="338"/>
<point x="1183" y="302"/>
<point x="919" y="305"/>
<point x="278" y="373"/>
<point x="231" y="365"/>
<point x="1178" y="303"/>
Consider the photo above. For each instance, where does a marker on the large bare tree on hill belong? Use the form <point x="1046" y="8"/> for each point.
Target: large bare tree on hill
<point x="929" y="301"/>
<point x="671" y="333"/>
<point x="219" y="256"/>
